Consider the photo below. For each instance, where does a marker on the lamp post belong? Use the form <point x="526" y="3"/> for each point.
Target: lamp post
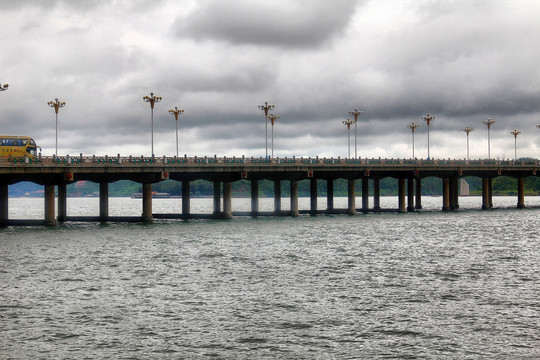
<point x="428" y="119"/>
<point x="348" y="122"/>
<point x="56" y="104"/>
<point x="266" y="107"/>
<point x="176" y="112"/>
<point x="515" y="133"/>
<point x="273" y="118"/>
<point x="356" y="113"/>
<point x="412" y="126"/>
<point x="152" y="100"/>
<point x="4" y="87"/>
<point x="468" y="129"/>
<point x="488" y="123"/>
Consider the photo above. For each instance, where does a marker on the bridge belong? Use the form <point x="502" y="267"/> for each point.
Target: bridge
<point x="57" y="172"/>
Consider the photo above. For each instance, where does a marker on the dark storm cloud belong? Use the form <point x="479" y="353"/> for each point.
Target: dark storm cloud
<point x="291" y="24"/>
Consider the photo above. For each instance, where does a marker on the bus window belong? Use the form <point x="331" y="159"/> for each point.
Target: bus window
<point x="32" y="142"/>
<point x="24" y="142"/>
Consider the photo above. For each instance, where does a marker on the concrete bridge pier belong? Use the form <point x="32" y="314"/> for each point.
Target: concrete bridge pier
<point x="454" y="193"/>
<point x="147" y="203"/>
<point x="227" y="200"/>
<point x="62" y="202"/>
<point x="217" y="198"/>
<point x="277" y="197"/>
<point x="313" y="196"/>
<point x="4" y="217"/>
<point x="351" y="197"/>
<point x="254" y="198"/>
<point x="401" y="196"/>
<point x="410" y="195"/>
<point x="186" y="190"/>
<point x="329" y="195"/>
<point x="521" y="193"/>
<point x="103" y="201"/>
<point x="365" y="194"/>
<point x="50" y="219"/>
<point x="294" y="198"/>
<point x="418" y="203"/>
<point x="486" y="194"/>
<point x="446" y="194"/>
<point x="376" y="194"/>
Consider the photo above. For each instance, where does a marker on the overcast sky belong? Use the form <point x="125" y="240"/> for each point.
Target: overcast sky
<point x="461" y="60"/>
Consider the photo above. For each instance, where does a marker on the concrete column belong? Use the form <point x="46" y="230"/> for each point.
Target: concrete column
<point x="254" y="197"/>
<point x="454" y="193"/>
<point x="147" y="203"/>
<point x="329" y="195"/>
<point x="521" y="193"/>
<point x="313" y="196"/>
<point x="352" y="197"/>
<point x="410" y="194"/>
<point x="418" y="204"/>
<point x="446" y="194"/>
<point x="401" y="196"/>
<point x="4" y="217"/>
<point x="50" y="218"/>
<point x="227" y="200"/>
<point x="365" y="194"/>
<point x="186" y="197"/>
<point x="490" y="192"/>
<point x="485" y="194"/>
<point x="217" y="197"/>
<point x="376" y="194"/>
<point x="294" y="198"/>
<point x="277" y="197"/>
<point x="103" y="201"/>
<point x="62" y="202"/>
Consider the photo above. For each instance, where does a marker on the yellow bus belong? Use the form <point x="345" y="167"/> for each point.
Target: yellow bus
<point x="17" y="146"/>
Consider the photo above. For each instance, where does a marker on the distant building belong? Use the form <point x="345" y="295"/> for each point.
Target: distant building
<point x="463" y="188"/>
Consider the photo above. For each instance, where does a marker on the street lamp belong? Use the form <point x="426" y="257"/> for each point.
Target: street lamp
<point x="273" y="118"/>
<point x="515" y="133"/>
<point x="356" y="113"/>
<point x="56" y="104"/>
<point x="467" y="130"/>
<point x="413" y="126"/>
<point x="266" y="107"/>
<point x="348" y="122"/>
<point x="4" y="87"/>
<point x="428" y="119"/>
<point x="488" y="122"/>
<point x="152" y="100"/>
<point x="176" y="112"/>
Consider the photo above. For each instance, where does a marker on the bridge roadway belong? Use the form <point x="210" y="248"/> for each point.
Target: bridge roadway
<point x="222" y="171"/>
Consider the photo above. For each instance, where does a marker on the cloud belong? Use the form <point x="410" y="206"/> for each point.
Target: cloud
<point x="282" y="23"/>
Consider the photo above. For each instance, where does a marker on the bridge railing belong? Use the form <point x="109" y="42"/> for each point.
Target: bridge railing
<point x="118" y="160"/>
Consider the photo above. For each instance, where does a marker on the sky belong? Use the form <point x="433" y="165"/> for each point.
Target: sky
<point x="462" y="61"/>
